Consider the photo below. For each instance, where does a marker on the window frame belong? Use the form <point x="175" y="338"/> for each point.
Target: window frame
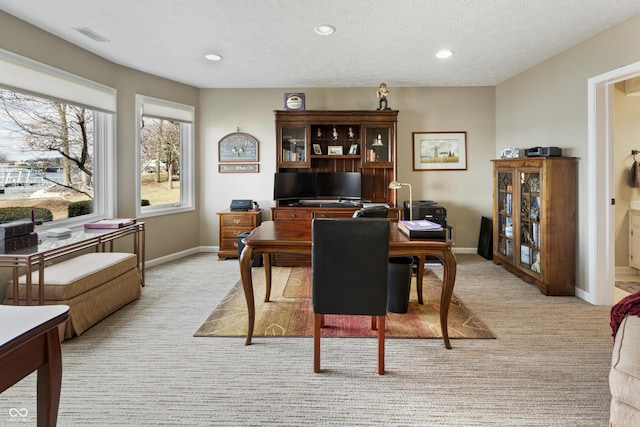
<point x="185" y="114"/>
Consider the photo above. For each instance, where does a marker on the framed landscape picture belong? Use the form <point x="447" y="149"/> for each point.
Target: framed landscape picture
<point x="439" y="151"/>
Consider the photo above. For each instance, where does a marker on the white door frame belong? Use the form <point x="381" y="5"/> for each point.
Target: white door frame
<point x="601" y="224"/>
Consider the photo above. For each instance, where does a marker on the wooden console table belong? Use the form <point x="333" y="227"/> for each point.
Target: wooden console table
<point x="294" y="237"/>
<point x="29" y="340"/>
<point x="51" y="248"/>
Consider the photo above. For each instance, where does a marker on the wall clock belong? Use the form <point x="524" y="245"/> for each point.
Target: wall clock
<point x="294" y="101"/>
<point x="238" y="147"/>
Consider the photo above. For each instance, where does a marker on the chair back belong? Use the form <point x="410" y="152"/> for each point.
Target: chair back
<point x="372" y="212"/>
<point x="349" y="261"/>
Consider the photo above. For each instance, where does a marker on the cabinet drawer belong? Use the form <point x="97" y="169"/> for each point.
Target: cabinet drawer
<point x="343" y="213"/>
<point x="237" y="220"/>
<point x="292" y="215"/>
<point x="232" y="232"/>
<point x="229" y="244"/>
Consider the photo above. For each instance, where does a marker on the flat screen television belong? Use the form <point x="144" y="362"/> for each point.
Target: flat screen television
<point x="294" y="185"/>
<point x="343" y="185"/>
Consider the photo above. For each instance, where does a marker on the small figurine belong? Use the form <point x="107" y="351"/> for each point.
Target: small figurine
<point x="382" y="94"/>
<point x="319" y="133"/>
<point x="536" y="265"/>
<point x="335" y="133"/>
<point x="351" y="134"/>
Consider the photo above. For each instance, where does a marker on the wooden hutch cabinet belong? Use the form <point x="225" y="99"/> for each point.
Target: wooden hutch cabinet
<point x="336" y="141"/>
<point x="534" y="209"/>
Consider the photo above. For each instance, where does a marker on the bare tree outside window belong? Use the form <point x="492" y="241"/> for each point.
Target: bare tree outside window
<point x="160" y="161"/>
<point x="46" y="153"/>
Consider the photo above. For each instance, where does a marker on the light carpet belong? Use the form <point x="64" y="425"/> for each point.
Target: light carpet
<point x="142" y="366"/>
<point x="289" y="312"/>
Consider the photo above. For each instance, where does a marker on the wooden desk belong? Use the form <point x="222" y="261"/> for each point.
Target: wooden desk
<point x="29" y="340"/>
<point x="295" y="238"/>
<point x="51" y="248"/>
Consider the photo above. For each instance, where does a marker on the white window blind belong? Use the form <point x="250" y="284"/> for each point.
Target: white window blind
<point x="163" y="109"/>
<point x="26" y="75"/>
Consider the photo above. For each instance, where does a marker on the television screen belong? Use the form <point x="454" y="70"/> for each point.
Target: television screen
<point x="347" y="185"/>
<point x="294" y="185"/>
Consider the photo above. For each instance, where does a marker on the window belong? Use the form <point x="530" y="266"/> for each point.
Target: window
<point x="165" y="146"/>
<point x="56" y="144"/>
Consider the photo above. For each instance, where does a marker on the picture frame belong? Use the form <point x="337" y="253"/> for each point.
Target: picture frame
<point x="238" y="147"/>
<point x="439" y="151"/>
<point x="239" y="168"/>
<point x="317" y="149"/>
<point x="353" y="149"/>
<point x="335" y="150"/>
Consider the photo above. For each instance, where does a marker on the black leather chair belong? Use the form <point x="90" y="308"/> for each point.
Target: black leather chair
<point x="372" y="212"/>
<point x="349" y="261"/>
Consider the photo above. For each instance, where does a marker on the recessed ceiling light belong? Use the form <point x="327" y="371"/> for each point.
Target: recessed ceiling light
<point x="325" y="29"/>
<point x="444" y="53"/>
<point x="213" y="57"/>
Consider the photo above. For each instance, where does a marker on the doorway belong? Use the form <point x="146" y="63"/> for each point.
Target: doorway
<point x="601" y="208"/>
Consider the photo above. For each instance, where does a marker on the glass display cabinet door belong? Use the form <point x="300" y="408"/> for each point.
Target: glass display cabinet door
<point x="294" y="149"/>
<point x="530" y="221"/>
<point x="377" y="150"/>
<point x="505" y="213"/>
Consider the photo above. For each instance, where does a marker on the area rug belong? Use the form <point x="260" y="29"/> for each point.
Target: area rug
<point x="631" y="287"/>
<point x="289" y="312"/>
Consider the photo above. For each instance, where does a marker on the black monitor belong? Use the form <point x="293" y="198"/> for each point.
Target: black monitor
<point x="294" y="185"/>
<point x="344" y="185"/>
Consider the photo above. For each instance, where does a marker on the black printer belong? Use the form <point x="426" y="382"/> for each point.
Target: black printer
<point x="426" y="209"/>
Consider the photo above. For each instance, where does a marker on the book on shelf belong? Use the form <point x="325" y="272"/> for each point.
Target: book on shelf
<point x="422" y="229"/>
<point x="10" y="244"/>
<point x="110" y="223"/>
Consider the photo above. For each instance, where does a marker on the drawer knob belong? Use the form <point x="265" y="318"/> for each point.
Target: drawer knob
<point x="237" y="221"/>
<point x="293" y="215"/>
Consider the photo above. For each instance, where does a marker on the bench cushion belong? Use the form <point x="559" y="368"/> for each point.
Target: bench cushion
<point x="70" y="278"/>
<point x="624" y="377"/>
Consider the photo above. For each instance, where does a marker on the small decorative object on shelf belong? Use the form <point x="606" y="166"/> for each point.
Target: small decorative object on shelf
<point x="294" y="101"/>
<point x="382" y="94"/>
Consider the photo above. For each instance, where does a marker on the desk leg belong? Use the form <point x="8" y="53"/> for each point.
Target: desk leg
<point x="246" y="259"/>
<point x="266" y="260"/>
<point x="448" y="281"/>
<point x="420" y="276"/>
<point x="50" y="381"/>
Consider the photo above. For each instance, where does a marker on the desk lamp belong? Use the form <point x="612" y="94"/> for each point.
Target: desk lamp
<point x="394" y="185"/>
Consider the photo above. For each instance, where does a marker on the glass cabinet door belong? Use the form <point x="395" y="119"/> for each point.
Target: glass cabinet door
<point x="505" y="213"/>
<point x="530" y="220"/>
<point x="377" y="150"/>
<point x="294" y="150"/>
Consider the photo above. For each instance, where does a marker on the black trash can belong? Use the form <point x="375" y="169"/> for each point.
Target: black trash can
<point x="399" y="284"/>
<point x="257" y="259"/>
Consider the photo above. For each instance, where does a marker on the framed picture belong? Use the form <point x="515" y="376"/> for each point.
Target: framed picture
<point x="335" y="150"/>
<point x="238" y="147"/>
<point x="238" y="168"/>
<point x="317" y="149"/>
<point x="439" y="151"/>
<point x="353" y="149"/>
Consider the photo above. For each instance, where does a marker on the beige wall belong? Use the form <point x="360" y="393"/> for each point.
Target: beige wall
<point x="547" y="105"/>
<point x="627" y="138"/>
<point x="466" y="194"/>
<point x="167" y="234"/>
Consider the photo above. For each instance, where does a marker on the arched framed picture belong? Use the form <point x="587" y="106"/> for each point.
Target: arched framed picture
<point x="238" y="147"/>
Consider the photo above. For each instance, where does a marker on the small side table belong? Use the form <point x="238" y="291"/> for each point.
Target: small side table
<point x="233" y="223"/>
<point x="29" y="340"/>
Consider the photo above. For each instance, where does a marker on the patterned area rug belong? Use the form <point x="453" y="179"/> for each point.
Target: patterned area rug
<point x="289" y="312"/>
<point x="631" y="287"/>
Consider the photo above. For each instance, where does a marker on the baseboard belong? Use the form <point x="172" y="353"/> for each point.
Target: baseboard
<point x="626" y="270"/>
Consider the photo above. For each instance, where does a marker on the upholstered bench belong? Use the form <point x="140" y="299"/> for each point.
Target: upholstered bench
<point x="93" y="285"/>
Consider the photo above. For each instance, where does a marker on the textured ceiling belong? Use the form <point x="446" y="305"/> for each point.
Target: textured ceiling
<point x="271" y="43"/>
